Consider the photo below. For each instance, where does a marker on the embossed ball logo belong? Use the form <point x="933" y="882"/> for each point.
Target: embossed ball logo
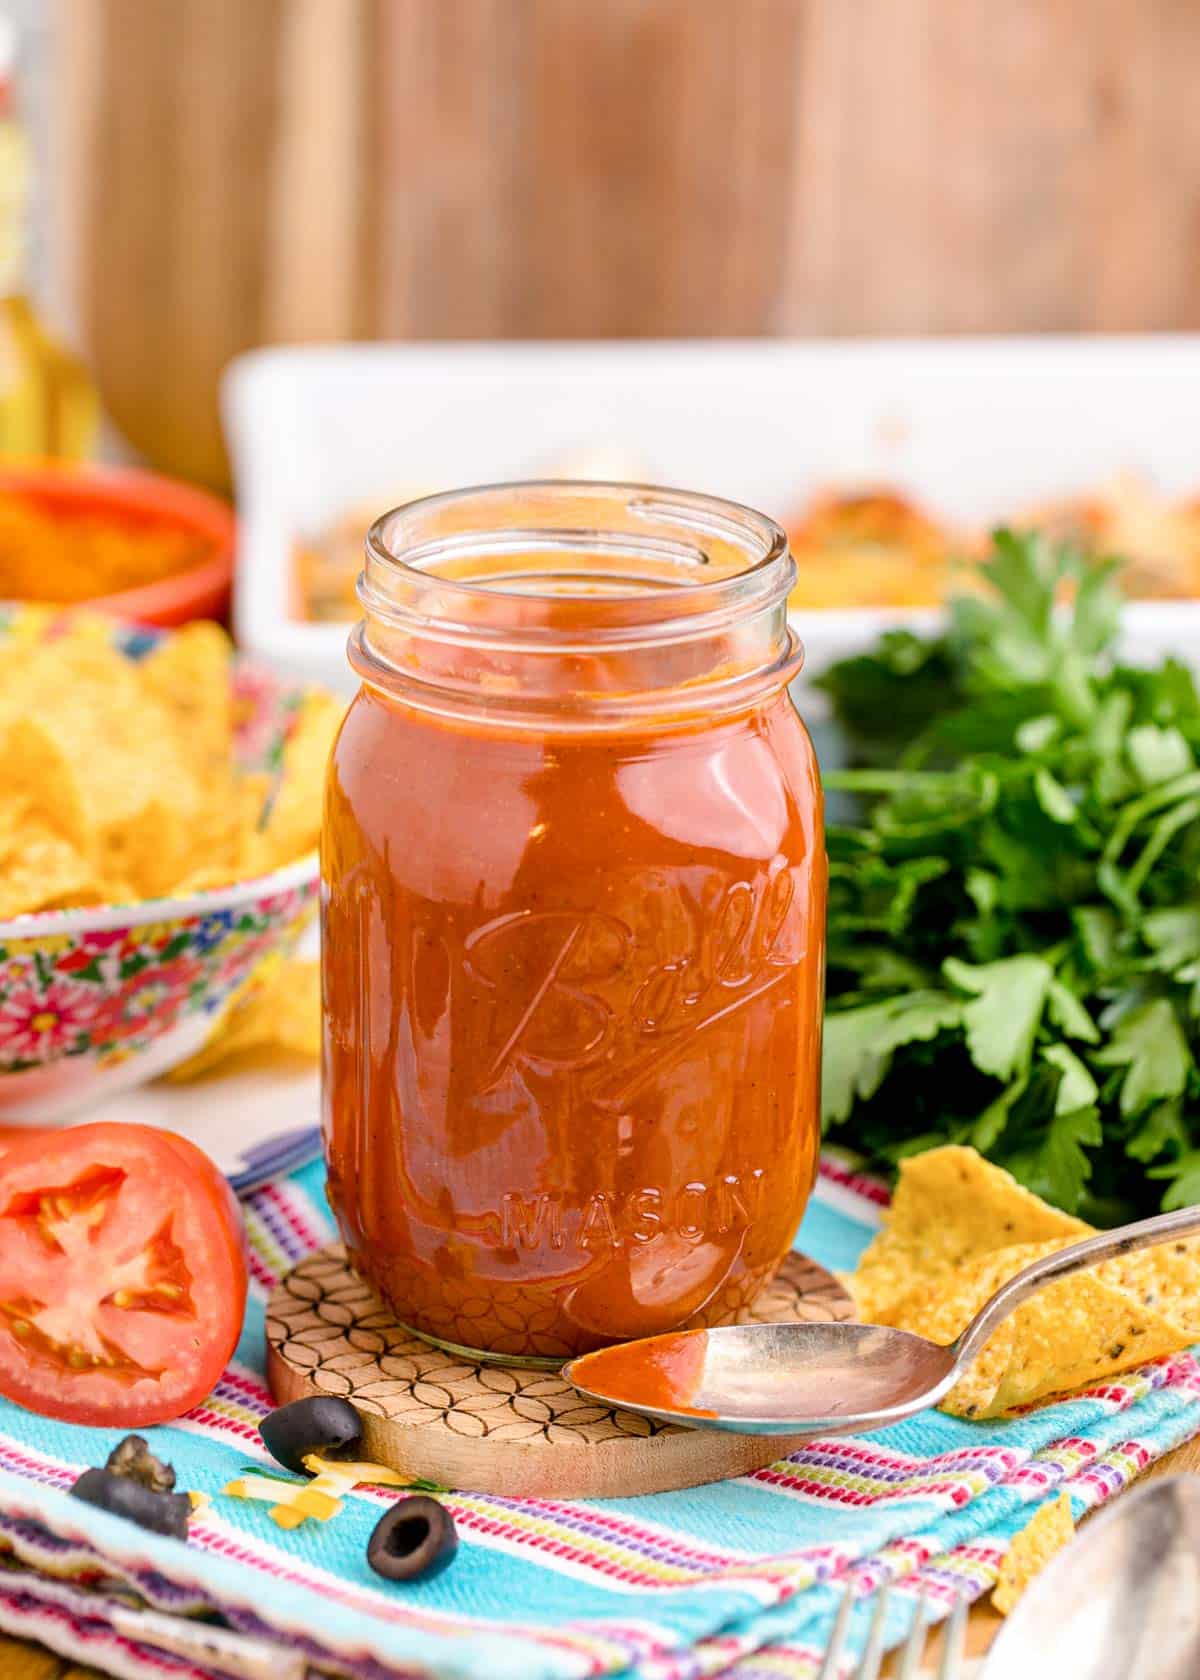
<point x="538" y="966"/>
<point x="560" y="985"/>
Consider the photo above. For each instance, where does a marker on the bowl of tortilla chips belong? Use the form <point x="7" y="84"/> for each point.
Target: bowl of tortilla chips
<point x="160" y="806"/>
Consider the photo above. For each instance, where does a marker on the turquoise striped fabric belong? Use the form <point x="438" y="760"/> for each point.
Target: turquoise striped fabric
<point x="739" y="1578"/>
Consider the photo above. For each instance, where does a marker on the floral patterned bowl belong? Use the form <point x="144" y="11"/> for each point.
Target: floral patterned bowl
<point x="94" y="1001"/>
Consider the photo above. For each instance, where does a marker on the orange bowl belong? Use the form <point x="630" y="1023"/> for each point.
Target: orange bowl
<point x="200" y="591"/>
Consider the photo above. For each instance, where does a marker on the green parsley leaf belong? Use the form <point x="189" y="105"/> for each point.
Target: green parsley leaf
<point x="1174" y="935"/>
<point x="859" y="1044"/>
<point x="1184" y="1177"/>
<point x="1163" y="1128"/>
<point x="1054" y="799"/>
<point x="1183" y="816"/>
<point x="272" y="1475"/>
<point x="1069" y="1015"/>
<point x="1037" y="733"/>
<point x="1156" y="755"/>
<point x="985" y="1132"/>
<point x="887" y="697"/>
<point x="1149" y="1043"/>
<point x="1057" y="1168"/>
<point x="1003" y="1017"/>
<point x="1077" y="1089"/>
<point x="1098" y="928"/>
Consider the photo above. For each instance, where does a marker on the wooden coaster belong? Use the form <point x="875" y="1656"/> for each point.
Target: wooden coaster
<point x="500" y="1428"/>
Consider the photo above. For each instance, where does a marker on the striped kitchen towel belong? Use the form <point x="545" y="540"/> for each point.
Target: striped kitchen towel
<point x="739" y="1578"/>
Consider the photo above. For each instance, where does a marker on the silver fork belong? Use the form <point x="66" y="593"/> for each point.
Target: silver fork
<point x="950" y="1667"/>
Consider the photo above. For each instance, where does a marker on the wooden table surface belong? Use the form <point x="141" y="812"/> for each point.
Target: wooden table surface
<point x="22" y="1661"/>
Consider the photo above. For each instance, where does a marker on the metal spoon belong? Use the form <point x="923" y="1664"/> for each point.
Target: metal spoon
<point x="827" y="1379"/>
<point x="1122" y="1601"/>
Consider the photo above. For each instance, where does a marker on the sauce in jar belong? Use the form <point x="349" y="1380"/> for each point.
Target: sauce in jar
<point x="574" y="892"/>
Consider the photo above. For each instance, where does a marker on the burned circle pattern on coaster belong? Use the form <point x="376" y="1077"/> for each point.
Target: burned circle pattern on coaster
<point x="330" y="1331"/>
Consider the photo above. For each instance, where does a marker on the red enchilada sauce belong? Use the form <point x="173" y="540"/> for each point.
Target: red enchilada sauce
<point x="574" y="891"/>
<point x="664" y="1374"/>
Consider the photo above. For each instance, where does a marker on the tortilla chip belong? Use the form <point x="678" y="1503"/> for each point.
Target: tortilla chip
<point x="974" y="1394"/>
<point x="207" y="879"/>
<point x="280" y="1009"/>
<point x="42" y="871"/>
<point x="151" y="848"/>
<point x="293" y="824"/>
<point x="959" y="1228"/>
<point x="950" y="1207"/>
<point x="1069" y="1335"/>
<point x="1165" y="1279"/>
<point x="190" y="674"/>
<point x="119" y="742"/>
<point x="31" y="624"/>
<point x="1076" y="1333"/>
<point x="942" y="1307"/>
<point x="1051" y="1528"/>
<point x="297" y="1022"/>
<point x="33" y="768"/>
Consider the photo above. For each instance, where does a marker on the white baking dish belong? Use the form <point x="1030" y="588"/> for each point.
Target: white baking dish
<point x="977" y="428"/>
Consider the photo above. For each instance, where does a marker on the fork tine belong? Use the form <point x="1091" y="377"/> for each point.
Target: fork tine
<point x="954" y="1648"/>
<point x="915" y="1643"/>
<point x="873" y="1654"/>
<point x="837" y="1639"/>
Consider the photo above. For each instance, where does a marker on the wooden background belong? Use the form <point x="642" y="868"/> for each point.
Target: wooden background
<point x="233" y="172"/>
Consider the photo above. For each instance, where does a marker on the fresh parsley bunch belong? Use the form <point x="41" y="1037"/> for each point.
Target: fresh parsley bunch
<point x="1014" y="921"/>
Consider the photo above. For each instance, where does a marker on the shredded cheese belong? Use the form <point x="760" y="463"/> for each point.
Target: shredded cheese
<point x="363" y="1472"/>
<point x="294" y="1503"/>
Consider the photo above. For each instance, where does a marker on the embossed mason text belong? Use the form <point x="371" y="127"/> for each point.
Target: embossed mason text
<point x="612" y="1218"/>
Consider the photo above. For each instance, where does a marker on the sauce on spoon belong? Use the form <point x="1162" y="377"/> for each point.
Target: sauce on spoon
<point x="661" y="1372"/>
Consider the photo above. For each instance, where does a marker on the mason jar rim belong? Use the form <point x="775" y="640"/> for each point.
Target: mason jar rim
<point x="651" y="602"/>
<point x="399" y="576"/>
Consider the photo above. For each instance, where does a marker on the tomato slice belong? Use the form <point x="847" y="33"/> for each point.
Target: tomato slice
<point x="122" y="1274"/>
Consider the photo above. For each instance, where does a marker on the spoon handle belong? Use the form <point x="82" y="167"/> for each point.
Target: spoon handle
<point x="1105" y="1245"/>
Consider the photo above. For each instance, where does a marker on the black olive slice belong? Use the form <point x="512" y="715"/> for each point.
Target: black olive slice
<point x="132" y="1457"/>
<point x="323" y="1424"/>
<point x="414" y="1538"/>
<point x="163" y="1513"/>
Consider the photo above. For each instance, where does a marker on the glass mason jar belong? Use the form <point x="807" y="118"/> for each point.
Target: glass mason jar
<point x="573" y="913"/>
